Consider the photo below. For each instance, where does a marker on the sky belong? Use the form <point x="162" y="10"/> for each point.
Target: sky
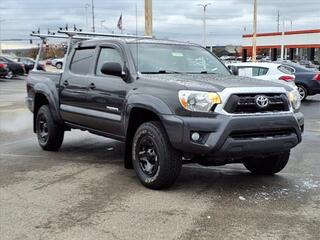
<point x="227" y="20"/>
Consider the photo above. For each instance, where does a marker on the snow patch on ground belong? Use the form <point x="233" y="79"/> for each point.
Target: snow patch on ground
<point x="266" y="194"/>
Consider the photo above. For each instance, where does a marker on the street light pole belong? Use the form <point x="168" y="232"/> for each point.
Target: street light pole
<point x="92" y="7"/>
<point x="254" y="37"/>
<point x="204" y="23"/>
<point x="86" y="7"/>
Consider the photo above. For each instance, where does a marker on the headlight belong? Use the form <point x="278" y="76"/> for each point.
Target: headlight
<point x="198" y="101"/>
<point x="295" y="100"/>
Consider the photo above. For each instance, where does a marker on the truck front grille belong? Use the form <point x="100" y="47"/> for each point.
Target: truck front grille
<point x="248" y="103"/>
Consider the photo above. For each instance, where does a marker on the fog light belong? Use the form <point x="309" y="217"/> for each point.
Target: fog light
<point x="195" y="136"/>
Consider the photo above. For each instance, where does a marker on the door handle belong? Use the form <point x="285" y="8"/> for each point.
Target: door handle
<point x="92" y="86"/>
<point x="65" y="83"/>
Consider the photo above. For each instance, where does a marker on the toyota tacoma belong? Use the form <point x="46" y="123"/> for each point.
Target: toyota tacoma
<point x="172" y="103"/>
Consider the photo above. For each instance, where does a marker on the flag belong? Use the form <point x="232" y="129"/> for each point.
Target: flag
<point x="119" y="25"/>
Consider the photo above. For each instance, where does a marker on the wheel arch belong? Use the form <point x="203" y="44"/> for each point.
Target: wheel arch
<point x="136" y="116"/>
<point x="42" y="98"/>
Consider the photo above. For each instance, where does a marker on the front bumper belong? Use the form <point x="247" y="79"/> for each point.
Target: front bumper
<point x="235" y="135"/>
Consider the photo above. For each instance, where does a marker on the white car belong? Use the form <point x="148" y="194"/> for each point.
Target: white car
<point x="57" y="62"/>
<point x="274" y="72"/>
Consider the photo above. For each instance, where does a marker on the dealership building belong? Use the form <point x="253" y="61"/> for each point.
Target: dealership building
<point x="295" y="45"/>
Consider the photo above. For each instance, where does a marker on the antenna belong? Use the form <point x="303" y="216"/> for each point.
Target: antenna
<point x="137" y="42"/>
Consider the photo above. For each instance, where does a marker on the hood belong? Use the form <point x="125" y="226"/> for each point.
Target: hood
<point x="210" y="82"/>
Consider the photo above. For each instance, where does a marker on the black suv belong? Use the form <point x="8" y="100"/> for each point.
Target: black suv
<point x="171" y="103"/>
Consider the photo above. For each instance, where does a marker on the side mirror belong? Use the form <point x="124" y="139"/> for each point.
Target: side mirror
<point x="112" y="68"/>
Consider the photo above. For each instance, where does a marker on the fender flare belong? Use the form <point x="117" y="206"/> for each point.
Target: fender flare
<point x="147" y="102"/>
<point x="51" y="96"/>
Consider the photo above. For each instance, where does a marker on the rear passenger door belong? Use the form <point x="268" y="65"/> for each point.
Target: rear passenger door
<point x="106" y="94"/>
<point x="74" y="87"/>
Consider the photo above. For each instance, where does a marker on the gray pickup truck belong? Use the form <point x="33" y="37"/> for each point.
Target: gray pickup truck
<point x="172" y="103"/>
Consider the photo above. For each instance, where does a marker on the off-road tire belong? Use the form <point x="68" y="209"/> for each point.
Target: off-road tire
<point x="169" y="159"/>
<point x="268" y="165"/>
<point x="55" y="132"/>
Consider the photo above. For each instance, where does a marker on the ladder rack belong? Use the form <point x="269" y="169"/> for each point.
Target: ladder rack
<point x="94" y="34"/>
<point x="79" y="35"/>
<point x="44" y="36"/>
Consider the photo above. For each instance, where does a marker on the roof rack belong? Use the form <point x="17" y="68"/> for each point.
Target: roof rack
<point x="76" y="34"/>
<point x="94" y="34"/>
<point x="43" y="36"/>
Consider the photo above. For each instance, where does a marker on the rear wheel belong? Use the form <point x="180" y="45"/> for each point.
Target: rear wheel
<point x="268" y="165"/>
<point x="156" y="163"/>
<point x="50" y="134"/>
<point x="303" y="92"/>
<point x="9" y="75"/>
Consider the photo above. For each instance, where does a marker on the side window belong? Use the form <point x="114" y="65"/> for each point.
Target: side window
<point x="263" y="71"/>
<point x="81" y="61"/>
<point x="108" y="55"/>
<point x="259" y="71"/>
<point x="245" y="71"/>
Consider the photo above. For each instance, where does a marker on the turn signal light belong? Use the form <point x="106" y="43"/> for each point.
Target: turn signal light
<point x="286" y="78"/>
<point x="316" y="77"/>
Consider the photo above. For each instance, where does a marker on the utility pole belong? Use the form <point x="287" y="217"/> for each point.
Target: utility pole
<point x="92" y="7"/>
<point x="278" y="21"/>
<point x="148" y="17"/>
<point x="254" y="37"/>
<point x="1" y="20"/>
<point x="204" y="23"/>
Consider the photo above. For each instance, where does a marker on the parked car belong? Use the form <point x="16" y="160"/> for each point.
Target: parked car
<point x="166" y="107"/>
<point x="14" y="67"/>
<point x="274" y="72"/>
<point x="57" y="62"/>
<point x="309" y="64"/>
<point x="306" y="79"/>
<point x="3" y="69"/>
<point x="29" y="63"/>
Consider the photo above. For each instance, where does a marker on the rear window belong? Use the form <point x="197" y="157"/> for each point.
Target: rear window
<point x="81" y="61"/>
<point x="285" y="69"/>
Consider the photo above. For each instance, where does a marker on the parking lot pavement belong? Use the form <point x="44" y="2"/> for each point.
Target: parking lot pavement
<point x="83" y="191"/>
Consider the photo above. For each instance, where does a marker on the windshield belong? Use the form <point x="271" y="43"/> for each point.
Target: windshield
<point x="165" y="58"/>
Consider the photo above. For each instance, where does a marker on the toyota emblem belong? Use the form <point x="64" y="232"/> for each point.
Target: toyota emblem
<point x="262" y="101"/>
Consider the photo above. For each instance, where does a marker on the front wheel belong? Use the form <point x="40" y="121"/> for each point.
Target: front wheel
<point x="156" y="163"/>
<point x="50" y="134"/>
<point x="268" y="165"/>
<point x="59" y="65"/>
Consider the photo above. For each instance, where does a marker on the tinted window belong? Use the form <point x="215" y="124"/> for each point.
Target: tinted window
<point x="81" y="61"/>
<point x="108" y="55"/>
<point x="284" y="69"/>
<point x="259" y="71"/>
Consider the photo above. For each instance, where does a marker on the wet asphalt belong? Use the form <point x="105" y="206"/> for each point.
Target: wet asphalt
<point x="83" y="191"/>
